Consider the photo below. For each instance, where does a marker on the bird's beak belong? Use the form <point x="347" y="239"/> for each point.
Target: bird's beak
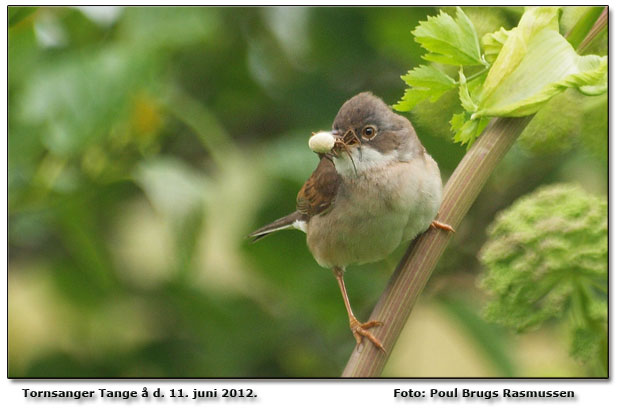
<point x="344" y="141"/>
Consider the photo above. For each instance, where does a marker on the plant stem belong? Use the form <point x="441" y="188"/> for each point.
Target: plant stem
<point x="416" y="266"/>
<point x="596" y="29"/>
<point x="478" y="74"/>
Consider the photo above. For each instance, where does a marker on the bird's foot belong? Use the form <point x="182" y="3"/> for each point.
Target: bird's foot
<point x="439" y="225"/>
<point x="360" y="331"/>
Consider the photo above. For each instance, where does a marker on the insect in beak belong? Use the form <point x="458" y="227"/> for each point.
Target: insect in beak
<point x="345" y="143"/>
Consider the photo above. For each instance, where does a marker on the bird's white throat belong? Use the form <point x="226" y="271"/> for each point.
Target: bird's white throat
<point x="365" y="159"/>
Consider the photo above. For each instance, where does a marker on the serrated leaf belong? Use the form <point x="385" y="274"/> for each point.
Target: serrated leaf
<point x="457" y="121"/>
<point x="467" y="133"/>
<point x="428" y="77"/>
<point x="449" y="40"/>
<point x="466" y="100"/>
<point x="407" y="101"/>
<point x="535" y="64"/>
<point x="425" y="82"/>
<point x="467" y="130"/>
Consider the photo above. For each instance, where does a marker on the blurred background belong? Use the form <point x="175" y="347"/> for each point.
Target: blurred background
<point x="145" y="144"/>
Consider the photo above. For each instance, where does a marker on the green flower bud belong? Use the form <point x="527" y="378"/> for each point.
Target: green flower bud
<point x="545" y="254"/>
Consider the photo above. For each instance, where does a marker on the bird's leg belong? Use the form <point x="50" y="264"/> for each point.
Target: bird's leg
<point x="360" y="330"/>
<point x="439" y="225"/>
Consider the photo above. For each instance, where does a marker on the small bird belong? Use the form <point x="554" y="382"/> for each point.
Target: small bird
<point x="375" y="186"/>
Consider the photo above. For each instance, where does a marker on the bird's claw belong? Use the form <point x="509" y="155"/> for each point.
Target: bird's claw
<point x="360" y="331"/>
<point x="440" y="225"/>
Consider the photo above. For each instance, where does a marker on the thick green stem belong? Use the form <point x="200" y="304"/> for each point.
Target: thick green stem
<point x="414" y="270"/>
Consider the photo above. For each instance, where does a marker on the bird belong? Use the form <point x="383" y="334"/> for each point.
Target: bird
<point x="375" y="186"/>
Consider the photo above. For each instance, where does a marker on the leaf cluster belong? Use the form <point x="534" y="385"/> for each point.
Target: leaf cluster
<point x="531" y="63"/>
<point x="546" y="258"/>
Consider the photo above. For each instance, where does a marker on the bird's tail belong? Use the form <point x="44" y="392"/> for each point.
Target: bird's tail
<point x="291" y="221"/>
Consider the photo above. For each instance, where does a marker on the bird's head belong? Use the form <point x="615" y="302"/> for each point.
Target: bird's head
<point x="368" y="134"/>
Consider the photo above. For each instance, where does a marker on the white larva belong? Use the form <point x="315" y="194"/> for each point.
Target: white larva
<point x="321" y="142"/>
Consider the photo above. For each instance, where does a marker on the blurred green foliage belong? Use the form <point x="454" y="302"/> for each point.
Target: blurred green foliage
<point x="546" y="258"/>
<point x="145" y="143"/>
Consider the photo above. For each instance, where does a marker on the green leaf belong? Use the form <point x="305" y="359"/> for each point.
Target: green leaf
<point x="457" y="121"/>
<point x="449" y="40"/>
<point x="516" y="45"/>
<point x="466" y="100"/>
<point x="425" y="82"/>
<point x="492" y="43"/>
<point x="466" y="131"/>
<point x="535" y="64"/>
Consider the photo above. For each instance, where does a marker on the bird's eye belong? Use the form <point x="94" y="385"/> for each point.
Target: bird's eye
<point x="369" y="131"/>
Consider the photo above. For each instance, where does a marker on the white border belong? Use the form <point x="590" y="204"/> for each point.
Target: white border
<point x="345" y="394"/>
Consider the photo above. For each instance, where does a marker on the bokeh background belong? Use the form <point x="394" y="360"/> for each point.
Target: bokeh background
<point x="145" y="143"/>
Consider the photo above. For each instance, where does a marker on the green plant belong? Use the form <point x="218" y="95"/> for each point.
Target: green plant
<point x="546" y="258"/>
<point x="531" y="63"/>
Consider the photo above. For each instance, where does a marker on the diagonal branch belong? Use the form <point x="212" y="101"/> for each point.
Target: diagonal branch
<point x="416" y="266"/>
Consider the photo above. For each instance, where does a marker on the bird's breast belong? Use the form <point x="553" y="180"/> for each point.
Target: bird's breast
<point x="375" y="211"/>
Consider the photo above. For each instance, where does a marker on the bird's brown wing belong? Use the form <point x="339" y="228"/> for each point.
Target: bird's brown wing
<point x="319" y="192"/>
